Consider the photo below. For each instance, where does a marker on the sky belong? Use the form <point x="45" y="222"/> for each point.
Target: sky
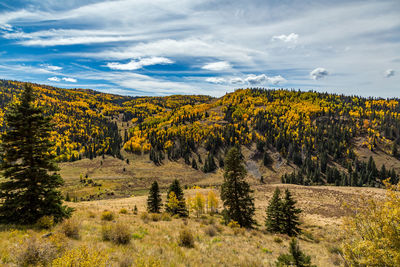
<point x="164" y="47"/>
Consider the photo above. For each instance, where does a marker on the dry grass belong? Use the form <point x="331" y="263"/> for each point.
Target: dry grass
<point x="157" y="241"/>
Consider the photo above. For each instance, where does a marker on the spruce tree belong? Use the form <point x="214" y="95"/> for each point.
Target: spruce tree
<point x="290" y="214"/>
<point x="296" y="257"/>
<point x="29" y="190"/>
<point x="274" y="220"/>
<point x="236" y="192"/>
<point x="180" y="209"/>
<point x="394" y="150"/>
<point x="154" y="199"/>
<point x="267" y="160"/>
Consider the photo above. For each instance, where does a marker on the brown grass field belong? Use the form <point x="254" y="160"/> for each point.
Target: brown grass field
<point x="155" y="243"/>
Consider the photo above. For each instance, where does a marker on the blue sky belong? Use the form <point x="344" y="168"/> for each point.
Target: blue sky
<point x="162" y="47"/>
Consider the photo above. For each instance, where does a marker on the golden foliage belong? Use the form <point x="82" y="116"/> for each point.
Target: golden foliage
<point x="374" y="232"/>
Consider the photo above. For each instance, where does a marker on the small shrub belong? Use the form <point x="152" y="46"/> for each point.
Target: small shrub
<point x="126" y="261"/>
<point x="121" y="234"/>
<point x="135" y="210"/>
<point x="308" y="236"/>
<point x="145" y="217"/>
<point x="140" y="233"/>
<point x="211" y="220"/>
<point x="267" y="251"/>
<point x="123" y="211"/>
<point x="165" y="216"/>
<point x="219" y="228"/>
<point x="118" y="233"/>
<point x="34" y="252"/>
<point x="45" y="222"/>
<point x="210" y="230"/>
<point x="155" y="217"/>
<point x="295" y="257"/>
<point x="82" y="256"/>
<point x="106" y="230"/>
<point x="70" y="228"/>
<point x="107" y="216"/>
<point x="91" y="214"/>
<point x="233" y="224"/>
<point x="335" y="250"/>
<point x="277" y="239"/>
<point x="185" y="238"/>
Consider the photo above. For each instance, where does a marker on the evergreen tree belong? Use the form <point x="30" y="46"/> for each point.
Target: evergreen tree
<point x="236" y="192"/>
<point x="290" y="215"/>
<point x="179" y="209"/>
<point x="154" y="199"/>
<point x="274" y="218"/>
<point x="209" y="164"/>
<point x="394" y="150"/>
<point x="296" y="257"/>
<point x="194" y="164"/>
<point x="267" y="160"/>
<point x="29" y="190"/>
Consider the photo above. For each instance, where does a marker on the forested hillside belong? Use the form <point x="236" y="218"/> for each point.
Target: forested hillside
<point x="86" y="121"/>
<point x="319" y="134"/>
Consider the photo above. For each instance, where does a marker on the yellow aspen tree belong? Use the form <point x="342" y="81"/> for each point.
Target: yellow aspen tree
<point x="199" y="204"/>
<point x="212" y="202"/>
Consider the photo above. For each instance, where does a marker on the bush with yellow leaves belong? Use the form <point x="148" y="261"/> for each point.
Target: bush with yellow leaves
<point x="374" y="232"/>
<point x="83" y="257"/>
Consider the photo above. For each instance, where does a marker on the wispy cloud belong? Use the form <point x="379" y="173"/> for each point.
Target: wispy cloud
<point x="140" y="63"/>
<point x="217" y="66"/>
<point x="215" y="80"/>
<point x="51" y="67"/>
<point x="70" y="80"/>
<point x="291" y="38"/>
<point x="389" y="73"/>
<point x="54" y="79"/>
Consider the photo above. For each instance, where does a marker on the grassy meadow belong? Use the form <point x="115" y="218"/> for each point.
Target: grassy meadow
<point x="120" y="237"/>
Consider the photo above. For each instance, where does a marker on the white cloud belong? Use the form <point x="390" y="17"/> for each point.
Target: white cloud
<point x="70" y="80"/>
<point x="275" y="80"/>
<point x="236" y="80"/>
<point x="138" y="64"/>
<point x="51" y="67"/>
<point x="318" y="73"/>
<point x="291" y="38"/>
<point x="215" y="80"/>
<point x="255" y="79"/>
<point x="389" y="73"/>
<point x="262" y="78"/>
<point x="54" y="79"/>
<point x="217" y="66"/>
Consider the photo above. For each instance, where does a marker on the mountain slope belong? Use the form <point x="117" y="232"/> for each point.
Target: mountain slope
<point x="305" y="137"/>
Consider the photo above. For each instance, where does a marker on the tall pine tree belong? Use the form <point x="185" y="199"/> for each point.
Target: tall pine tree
<point x="154" y="199"/>
<point x="29" y="190"/>
<point x="179" y="209"/>
<point x="290" y="215"/>
<point x="236" y="192"/>
<point x="274" y="218"/>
